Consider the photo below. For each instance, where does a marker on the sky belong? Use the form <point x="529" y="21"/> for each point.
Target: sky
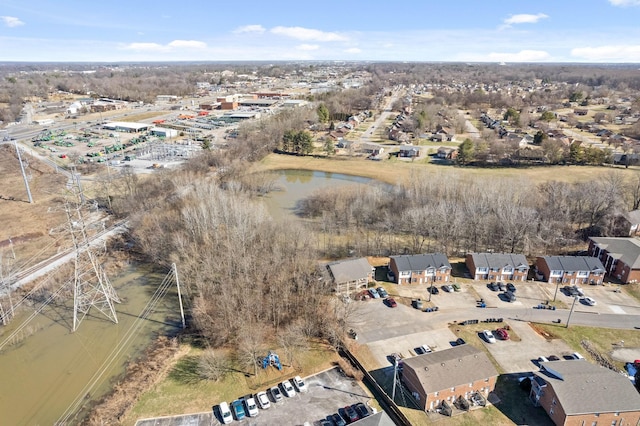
<point x="595" y="31"/>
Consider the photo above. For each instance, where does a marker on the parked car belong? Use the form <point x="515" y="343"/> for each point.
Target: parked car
<point x="287" y="389"/>
<point x="488" y="336"/>
<point x="502" y="334"/>
<point x="511" y="287"/>
<point x="501" y="287"/>
<point x="391" y="302"/>
<point x="225" y="413"/>
<point x="362" y="410"/>
<point x="299" y="384"/>
<point x="250" y="407"/>
<point x="543" y="359"/>
<point x="571" y="291"/>
<point x="374" y="293"/>
<point x="554" y="358"/>
<point x="351" y="414"/>
<point x="336" y="419"/>
<point x="511" y="297"/>
<point x="276" y="394"/>
<point x="325" y="422"/>
<point x="578" y="290"/>
<point x="433" y="290"/>
<point x="493" y="286"/>
<point x="589" y="301"/>
<point x="263" y="400"/>
<point x="238" y="409"/>
<point x="423" y="349"/>
<point x="576" y="355"/>
<point x="448" y="288"/>
<point x="460" y="341"/>
<point x="382" y="292"/>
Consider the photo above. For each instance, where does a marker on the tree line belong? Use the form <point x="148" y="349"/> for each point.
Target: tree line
<point x="450" y="213"/>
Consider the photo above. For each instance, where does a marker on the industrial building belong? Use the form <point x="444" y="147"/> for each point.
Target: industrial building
<point x="123" y="126"/>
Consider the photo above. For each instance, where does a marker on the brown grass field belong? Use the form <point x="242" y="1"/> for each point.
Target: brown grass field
<point x="394" y="171"/>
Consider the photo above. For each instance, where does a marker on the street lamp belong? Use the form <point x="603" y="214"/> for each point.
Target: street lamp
<point x="556" y="292"/>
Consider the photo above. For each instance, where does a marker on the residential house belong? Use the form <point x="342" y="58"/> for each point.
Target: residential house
<point x="420" y="268"/>
<point x="410" y="152"/>
<point x="352" y="274"/>
<point x="372" y="149"/>
<point x="441" y="378"/>
<point x="570" y="269"/>
<point x="633" y="219"/>
<point x="580" y="393"/>
<point x="447" y="153"/>
<point x="497" y="266"/>
<point x="446" y="131"/>
<point x="620" y="256"/>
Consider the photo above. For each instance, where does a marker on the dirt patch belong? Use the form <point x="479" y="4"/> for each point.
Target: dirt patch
<point x="547" y="335"/>
<point x="626" y="354"/>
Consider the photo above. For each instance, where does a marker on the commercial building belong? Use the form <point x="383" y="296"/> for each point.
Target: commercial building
<point x="124" y="126"/>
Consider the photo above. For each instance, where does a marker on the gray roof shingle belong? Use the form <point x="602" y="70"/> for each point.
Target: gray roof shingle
<point x="421" y="262"/>
<point x="451" y="367"/>
<point x="625" y="249"/>
<point x="344" y="271"/>
<point x="499" y="260"/>
<point x="573" y="263"/>
<point x="583" y="387"/>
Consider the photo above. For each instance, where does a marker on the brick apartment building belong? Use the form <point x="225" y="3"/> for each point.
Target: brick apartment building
<point x="620" y="256"/>
<point x="570" y="269"/>
<point x="497" y="266"/>
<point x="420" y="268"/>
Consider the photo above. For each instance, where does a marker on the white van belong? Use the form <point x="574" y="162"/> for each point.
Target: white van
<point x="576" y="355"/>
<point x="225" y="413"/>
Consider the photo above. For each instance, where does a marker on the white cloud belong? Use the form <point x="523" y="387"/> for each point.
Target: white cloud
<point x="524" y="18"/>
<point x="308" y="47"/>
<point x="521" y="56"/>
<point x="353" y="50"/>
<point x="625" y="3"/>
<point x="11" y="21"/>
<point x="306" y="34"/>
<point x="188" y="44"/>
<point x="249" y="29"/>
<point x="155" y="47"/>
<point x="172" y="46"/>
<point x="611" y="53"/>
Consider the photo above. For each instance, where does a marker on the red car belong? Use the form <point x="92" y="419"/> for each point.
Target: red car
<point x="502" y="334"/>
<point x="391" y="302"/>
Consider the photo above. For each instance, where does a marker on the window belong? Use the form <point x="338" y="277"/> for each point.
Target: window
<point x="614" y="422"/>
<point x="551" y="412"/>
<point x="553" y="402"/>
<point x="507" y="270"/>
<point x="436" y="393"/>
<point x="482" y="270"/>
<point x="453" y="389"/>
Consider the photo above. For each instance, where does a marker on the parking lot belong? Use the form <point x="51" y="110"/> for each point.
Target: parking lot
<point x="328" y="391"/>
<point x="402" y="329"/>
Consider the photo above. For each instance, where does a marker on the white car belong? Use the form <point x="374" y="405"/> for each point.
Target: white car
<point x="225" y="413"/>
<point x="299" y="384"/>
<point x="488" y="336"/>
<point x="578" y="290"/>
<point x="252" y="408"/>
<point x="423" y="349"/>
<point x="589" y="301"/>
<point x="263" y="400"/>
<point x="288" y="389"/>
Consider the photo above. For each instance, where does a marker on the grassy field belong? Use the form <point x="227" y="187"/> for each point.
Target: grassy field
<point x="182" y="391"/>
<point x="605" y="340"/>
<point x="397" y="171"/>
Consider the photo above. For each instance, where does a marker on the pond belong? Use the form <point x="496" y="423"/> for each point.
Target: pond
<point x="295" y="185"/>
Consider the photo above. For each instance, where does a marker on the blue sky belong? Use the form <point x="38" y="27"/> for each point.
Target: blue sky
<point x="379" y="30"/>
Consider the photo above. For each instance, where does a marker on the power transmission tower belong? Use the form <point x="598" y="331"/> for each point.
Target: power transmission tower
<point x="91" y="286"/>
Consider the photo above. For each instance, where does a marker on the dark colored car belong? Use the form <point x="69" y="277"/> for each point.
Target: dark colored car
<point x="362" y="410"/>
<point x="501" y="287"/>
<point x="554" y="358"/>
<point x="325" y="422"/>
<point x="350" y="414"/>
<point x="382" y="292"/>
<point x="391" y="302"/>
<point x="336" y="419"/>
<point x="511" y="287"/>
<point x="493" y="286"/>
<point x="510" y="296"/>
<point x="460" y="341"/>
<point x="433" y="290"/>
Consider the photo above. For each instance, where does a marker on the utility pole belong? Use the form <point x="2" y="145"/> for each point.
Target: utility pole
<point x="175" y="273"/>
<point x="571" y="311"/>
<point x="24" y="175"/>
<point x="556" y="292"/>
